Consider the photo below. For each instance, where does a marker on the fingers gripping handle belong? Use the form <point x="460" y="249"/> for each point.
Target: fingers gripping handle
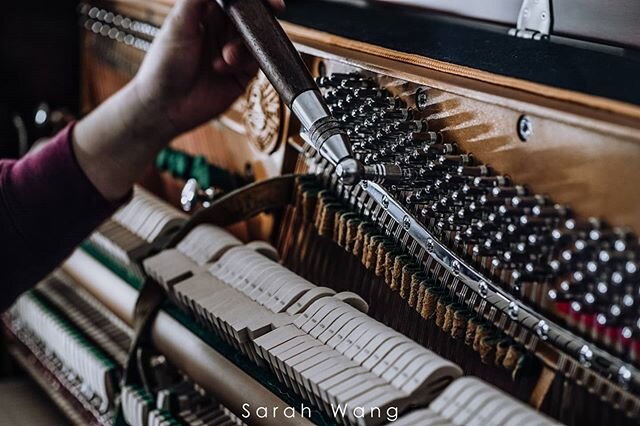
<point x="288" y="74"/>
<point x="273" y="50"/>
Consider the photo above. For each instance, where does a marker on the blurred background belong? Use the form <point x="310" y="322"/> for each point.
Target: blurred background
<point x="38" y="64"/>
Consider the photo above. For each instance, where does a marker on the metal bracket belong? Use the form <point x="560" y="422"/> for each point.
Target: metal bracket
<point x="534" y="20"/>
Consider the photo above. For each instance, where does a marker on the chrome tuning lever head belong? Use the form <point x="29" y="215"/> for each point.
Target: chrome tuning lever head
<point x="192" y="195"/>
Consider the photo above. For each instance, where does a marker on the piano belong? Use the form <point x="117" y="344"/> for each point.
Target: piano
<point x="494" y="280"/>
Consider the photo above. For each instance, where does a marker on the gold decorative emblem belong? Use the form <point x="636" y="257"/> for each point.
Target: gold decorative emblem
<point x="262" y="114"/>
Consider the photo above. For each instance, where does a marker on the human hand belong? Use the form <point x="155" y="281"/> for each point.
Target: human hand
<point x="196" y="67"/>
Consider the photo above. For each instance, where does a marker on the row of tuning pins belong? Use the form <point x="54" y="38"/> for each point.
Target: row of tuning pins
<point x="456" y="196"/>
<point x="381" y="127"/>
<point x="500" y="226"/>
<point x="521" y="237"/>
<point x="516" y="235"/>
<point x="598" y="273"/>
<point x="387" y="129"/>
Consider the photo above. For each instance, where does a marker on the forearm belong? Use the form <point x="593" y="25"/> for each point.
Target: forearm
<point x="47" y="207"/>
<point x="118" y="140"/>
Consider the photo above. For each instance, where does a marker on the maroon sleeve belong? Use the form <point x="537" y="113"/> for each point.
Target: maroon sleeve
<point x="47" y="207"/>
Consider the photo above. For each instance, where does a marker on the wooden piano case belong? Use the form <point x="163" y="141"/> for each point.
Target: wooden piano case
<point x="563" y="120"/>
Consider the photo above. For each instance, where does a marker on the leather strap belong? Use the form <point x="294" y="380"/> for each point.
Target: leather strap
<point x="242" y="204"/>
<point x="234" y="207"/>
<point x="150" y="298"/>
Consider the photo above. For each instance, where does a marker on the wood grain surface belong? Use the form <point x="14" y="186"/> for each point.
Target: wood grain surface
<point x="583" y="151"/>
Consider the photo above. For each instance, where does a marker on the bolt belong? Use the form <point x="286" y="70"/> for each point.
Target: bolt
<point x="624" y="375"/>
<point x="483" y="288"/>
<point x="514" y="310"/>
<point x="421" y="99"/>
<point x="525" y="128"/>
<point x="542" y="329"/>
<point x="406" y="222"/>
<point x="430" y="247"/>
<point x="585" y="356"/>
<point x="456" y="268"/>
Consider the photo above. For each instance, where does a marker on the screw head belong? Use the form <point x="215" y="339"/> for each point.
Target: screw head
<point x="624" y="375"/>
<point x="364" y="184"/>
<point x="406" y="222"/>
<point x="430" y="246"/>
<point x="514" y="310"/>
<point x="586" y="355"/>
<point x="483" y="288"/>
<point x="542" y="329"/>
<point x="421" y="99"/>
<point x="385" y="202"/>
<point x="525" y="128"/>
<point x="456" y="268"/>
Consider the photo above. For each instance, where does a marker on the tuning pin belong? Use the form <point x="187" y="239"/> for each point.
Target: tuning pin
<point x="528" y="201"/>
<point x="461" y="197"/>
<point x="328" y="81"/>
<point x="624" y="242"/>
<point x="508" y="211"/>
<point x="363" y="129"/>
<point x="620" y="238"/>
<point x="455" y="182"/>
<point x="609" y="256"/>
<point x="492" y="181"/>
<point x="368" y="92"/>
<point x="539" y="240"/>
<point x="333" y="95"/>
<point x="536" y="222"/>
<point x="356" y="83"/>
<point x="339" y="111"/>
<point x="508" y="191"/>
<point x="396" y="114"/>
<point x="472" y="191"/>
<point x="384" y="102"/>
<point x="384" y="156"/>
<point x="192" y="195"/>
<point x="497" y="219"/>
<point x="422" y="154"/>
<point x="550" y="211"/>
<point x="455" y="160"/>
<point x="486" y="248"/>
<point x="473" y="171"/>
<point x="535" y="272"/>
<point x="561" y="296"/>
<point x="474" y="233"/>
<point x="418" y="138"/>
<point x="440" y="149"/>
<point x="414" y="126"/>
<point x="491" y="200"/>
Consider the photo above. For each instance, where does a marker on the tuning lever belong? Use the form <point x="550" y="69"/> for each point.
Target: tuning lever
<point x="288" y="74"/>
